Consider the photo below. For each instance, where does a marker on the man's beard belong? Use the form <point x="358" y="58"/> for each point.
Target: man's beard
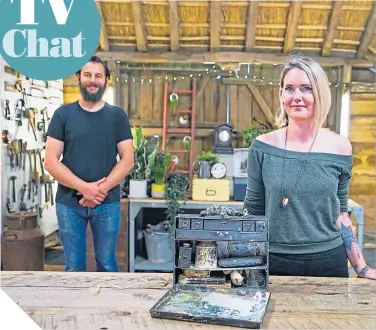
<point x="92" y="97"/>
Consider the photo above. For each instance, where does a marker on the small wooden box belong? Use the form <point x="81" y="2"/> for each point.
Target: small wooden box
<point x="216" y="190"/>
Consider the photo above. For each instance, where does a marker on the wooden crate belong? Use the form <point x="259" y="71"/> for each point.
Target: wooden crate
<point x="122" y="242"/>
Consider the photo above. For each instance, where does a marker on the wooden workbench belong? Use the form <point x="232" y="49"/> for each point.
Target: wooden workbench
<point x="117" y="301"/>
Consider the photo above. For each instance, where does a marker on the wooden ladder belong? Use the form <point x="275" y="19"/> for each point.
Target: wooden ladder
<point x="180" y="131"/>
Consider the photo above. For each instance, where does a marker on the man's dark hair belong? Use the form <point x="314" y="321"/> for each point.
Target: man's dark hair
<point x="96" y="59"/>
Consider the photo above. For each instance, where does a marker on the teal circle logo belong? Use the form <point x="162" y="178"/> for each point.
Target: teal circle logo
<point x="48" y="39"/>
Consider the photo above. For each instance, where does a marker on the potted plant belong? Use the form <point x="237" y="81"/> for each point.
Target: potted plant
<point x="159" y="170"/>
<point x="144" y="153"/>
<point x="205" y="160"/>
<point x="208" y="156"/>
<point x="159" y="238"/>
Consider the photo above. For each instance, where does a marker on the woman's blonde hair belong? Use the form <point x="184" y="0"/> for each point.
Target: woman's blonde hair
<point x="320" y="88"/>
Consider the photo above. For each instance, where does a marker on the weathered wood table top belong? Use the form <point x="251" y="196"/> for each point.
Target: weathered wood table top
<point x="115" y="301"/>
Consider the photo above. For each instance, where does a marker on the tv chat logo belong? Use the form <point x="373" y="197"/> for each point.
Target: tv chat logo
<point x="48" y="39"/>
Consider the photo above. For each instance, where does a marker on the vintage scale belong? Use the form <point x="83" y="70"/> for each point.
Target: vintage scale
<point x="220" y="269"/>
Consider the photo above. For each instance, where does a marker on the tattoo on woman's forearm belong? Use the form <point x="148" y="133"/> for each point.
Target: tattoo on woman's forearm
<point x="347" y="236"/>
<point x="363" y="271"/>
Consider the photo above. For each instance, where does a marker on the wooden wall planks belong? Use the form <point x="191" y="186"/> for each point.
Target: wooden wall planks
<point x="363" y="136"/>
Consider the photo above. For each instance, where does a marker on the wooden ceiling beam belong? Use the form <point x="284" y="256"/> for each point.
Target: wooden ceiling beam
<point x="292" y="25"/>
<point x="215" y="25"/>
<point x="334" y="20"/>
<point x="103" y="40"/>
<point x="220" y="57"/>
<point x="250" y="35"/>
<point x="366" y="38"/>
<point x="174" y="25"/>
<point x="139" y="25"/>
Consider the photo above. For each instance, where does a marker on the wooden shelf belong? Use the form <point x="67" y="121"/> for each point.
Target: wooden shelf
<point x="144" y="264"/>
<point x="180" y="91"/>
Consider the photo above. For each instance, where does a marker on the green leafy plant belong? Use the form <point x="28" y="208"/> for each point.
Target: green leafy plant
<point x="208" y="156"/>
<point x="144" y="154"/>
<point x="176" y="192"/>
<point x="160" y="166"/>
<point x="177" y="186"/>
<point x="250" y="133"/>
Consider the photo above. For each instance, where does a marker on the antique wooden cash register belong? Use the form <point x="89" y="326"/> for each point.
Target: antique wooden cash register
<point x="220" y="271"/>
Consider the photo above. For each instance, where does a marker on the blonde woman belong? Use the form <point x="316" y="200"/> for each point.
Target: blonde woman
<point x="298" y="176"/>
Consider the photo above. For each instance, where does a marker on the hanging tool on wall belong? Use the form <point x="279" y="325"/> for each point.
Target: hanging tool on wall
<point x="13" y="179"/>
<point x="20" y="110"/>
<point x="22" y="90"/>
<point x="15" y="151"/>
<point x="6" y="110"/>
<point x="19" y="154"/>
<point x="44" y="178"/>
<point x="35" y="172"/>
<point x="30" y="115"/>
<point x="11" y="71"/>
<point x="31" y="178"/>
<point x="54" y="100"/>
<point x="39" y="83"/>
<point x="7" y="115"/>
<point x="22" y="203"/>
<point x="50" y="198"/>
<point x="24" y="148"/>
<point x="43" y="124"/>
<point x="11" y="155"/>
<point x="37" y="92"/>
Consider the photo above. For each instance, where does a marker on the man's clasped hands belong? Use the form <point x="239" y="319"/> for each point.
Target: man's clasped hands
<point x="94" y="193"/>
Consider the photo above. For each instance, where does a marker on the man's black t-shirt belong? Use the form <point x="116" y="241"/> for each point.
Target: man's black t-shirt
<point x="90" y="144"/>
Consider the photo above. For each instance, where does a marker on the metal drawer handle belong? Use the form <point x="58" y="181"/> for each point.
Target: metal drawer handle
<point x="224" y="223"/>
<point x="210" y="192"/>
<point x="184" y="224"/>
<point x="261" y="226"/>
<point x="197" y="224"/>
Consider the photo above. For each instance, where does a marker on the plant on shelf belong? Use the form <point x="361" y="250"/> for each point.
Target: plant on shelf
<point x="144" y="154"/>
<point x="177" y="188"/>
<point x="159" y="238"/>
<point x="159" y="171"/>
<point x="250" y="133"/>
<point x="208" y="156"/>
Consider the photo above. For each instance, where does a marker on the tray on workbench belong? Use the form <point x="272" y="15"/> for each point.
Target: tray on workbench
<point x="231" y="307"/>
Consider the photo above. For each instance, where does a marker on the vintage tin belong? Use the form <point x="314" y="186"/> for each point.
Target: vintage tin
<point x="185" y="255"/>
<point x="205" y="292"/>
<point x="206" y="255"/>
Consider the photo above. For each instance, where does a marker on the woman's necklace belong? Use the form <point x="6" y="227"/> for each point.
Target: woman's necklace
<point x="284" y="199"/>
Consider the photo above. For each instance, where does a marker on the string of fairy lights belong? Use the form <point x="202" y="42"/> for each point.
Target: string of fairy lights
<point x="252" y="79"/>
<point x="233" y="74"/>
<point x="219" y="74"/>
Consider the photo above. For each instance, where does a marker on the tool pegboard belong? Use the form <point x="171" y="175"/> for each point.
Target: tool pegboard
<point x="27" y="106"/>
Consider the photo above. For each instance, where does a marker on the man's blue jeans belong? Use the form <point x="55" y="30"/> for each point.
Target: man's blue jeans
<point x="104" y="222"/>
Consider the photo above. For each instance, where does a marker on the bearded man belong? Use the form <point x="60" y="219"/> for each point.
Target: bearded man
<point x="89" y="134"/>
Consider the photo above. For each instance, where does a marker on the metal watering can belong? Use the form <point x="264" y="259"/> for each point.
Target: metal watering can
<point x="202" y="169"/>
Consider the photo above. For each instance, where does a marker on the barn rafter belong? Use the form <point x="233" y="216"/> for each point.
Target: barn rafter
<point x="326" y="30"/>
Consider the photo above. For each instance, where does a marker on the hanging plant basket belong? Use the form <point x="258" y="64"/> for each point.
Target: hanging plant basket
<point x="174" y="98"/>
